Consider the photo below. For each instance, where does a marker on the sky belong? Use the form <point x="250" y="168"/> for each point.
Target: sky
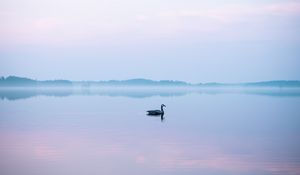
<point x="189" y="40"/>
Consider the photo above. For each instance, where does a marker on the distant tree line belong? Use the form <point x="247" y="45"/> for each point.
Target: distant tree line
<point x="14" y="81"/>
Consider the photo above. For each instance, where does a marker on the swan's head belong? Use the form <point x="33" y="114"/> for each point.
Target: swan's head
<point x="163" y="105"/>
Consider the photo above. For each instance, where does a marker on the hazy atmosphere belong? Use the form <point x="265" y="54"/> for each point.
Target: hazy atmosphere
<point x="149" y="87"/>
<point x="191" y="40"/>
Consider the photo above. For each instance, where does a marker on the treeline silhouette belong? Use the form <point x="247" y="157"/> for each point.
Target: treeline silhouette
<point x="14" y="81"/>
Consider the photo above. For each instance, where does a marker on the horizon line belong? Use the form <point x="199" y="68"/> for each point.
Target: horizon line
<point x="174" y="80"/>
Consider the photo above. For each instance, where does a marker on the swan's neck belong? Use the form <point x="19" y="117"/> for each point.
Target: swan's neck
<point x="162" y="109"/>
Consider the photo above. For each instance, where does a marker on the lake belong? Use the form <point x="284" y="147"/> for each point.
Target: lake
<point x="106" y="131"/>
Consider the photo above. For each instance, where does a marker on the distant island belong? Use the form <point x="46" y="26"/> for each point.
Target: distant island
<point x="14" y="81"/>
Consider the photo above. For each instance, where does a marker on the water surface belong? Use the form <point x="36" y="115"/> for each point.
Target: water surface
<point x="106" y="131"/>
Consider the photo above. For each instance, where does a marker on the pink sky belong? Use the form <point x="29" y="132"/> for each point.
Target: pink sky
<point x="204" y="38"/>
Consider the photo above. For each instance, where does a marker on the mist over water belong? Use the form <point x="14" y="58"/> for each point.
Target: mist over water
<point x="17" y="93"/>
<point x="107" y="131"/>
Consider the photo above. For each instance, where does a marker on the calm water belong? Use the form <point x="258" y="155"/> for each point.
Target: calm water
<point x="209" y="131"/>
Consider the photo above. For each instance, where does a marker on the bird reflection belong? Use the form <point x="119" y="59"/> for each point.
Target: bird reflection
<point x="162" y="118"/>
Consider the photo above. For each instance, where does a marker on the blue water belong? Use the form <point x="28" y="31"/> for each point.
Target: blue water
<point x="106" y="131"/>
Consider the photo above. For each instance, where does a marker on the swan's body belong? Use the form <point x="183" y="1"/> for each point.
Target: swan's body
<point x="157" y="112"/>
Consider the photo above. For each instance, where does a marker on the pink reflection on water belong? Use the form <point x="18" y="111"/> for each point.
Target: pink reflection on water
<point x="140" y="159"/>
<point x="46" y="152"/>
<point x="85" y="152"/>
<point x="203" y="157"/>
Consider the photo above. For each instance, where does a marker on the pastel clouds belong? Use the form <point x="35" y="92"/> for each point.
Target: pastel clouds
<point x="289" y="8"/>
<point x="46" y="24"/>
<point x="89" y="23"/>
<point x="232" y="12"/>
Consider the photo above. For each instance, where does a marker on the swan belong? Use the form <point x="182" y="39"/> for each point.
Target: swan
<point x="157" y="112"/>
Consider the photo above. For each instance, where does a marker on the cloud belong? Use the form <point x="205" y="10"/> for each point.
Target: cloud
<point x="141" y="17"/>
<point x="289" y="8"/>
<point x="231" y="21"/>
<point x="70" y="26"/>
<point x="233" y="12"/>
<point x="46" y="24"/>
